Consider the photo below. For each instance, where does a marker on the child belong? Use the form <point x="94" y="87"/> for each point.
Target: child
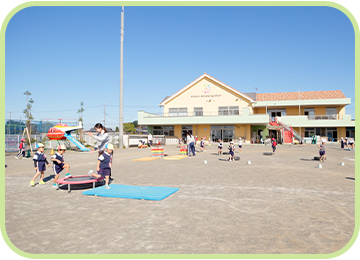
<point x="342" y="143"/>
<point x="351" y="144"/>
<point x="59" y="165"/>
<point x="209" y="141"/>
<point x="274" y="144"/>
<point x="21" y="149"/>
<point x="220" y="146"/>
<point x="240" y="144"/>
<point x="39" y="163"/>
<point x="345" y="143"/>
<point x="179" y="143"/>
<point x="104" y="165"/>
<point x="322" y="151"/>
<point x="202" y="145"/>
<point x="195" y="140"/>
<point x="141" y="144"/>
<point x="231" y="151"/>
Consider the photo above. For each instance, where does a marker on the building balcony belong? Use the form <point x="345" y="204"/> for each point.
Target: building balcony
<point x="206" y="117"/>
<point x="318" y="121"/>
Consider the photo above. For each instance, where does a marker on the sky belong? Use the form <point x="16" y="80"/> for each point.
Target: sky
<point x="67" y="55"/>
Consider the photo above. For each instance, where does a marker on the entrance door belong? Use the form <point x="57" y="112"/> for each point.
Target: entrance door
<point x="227" y="135"/>
<point x="215" y="135"/>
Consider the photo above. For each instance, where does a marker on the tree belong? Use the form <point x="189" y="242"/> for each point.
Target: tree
<point x="27" y="111"/>
<point x="135" y="123"/>
<point x="129" y="128"/>
<point x="117" y="129"/>
<point x="80" y="111"/>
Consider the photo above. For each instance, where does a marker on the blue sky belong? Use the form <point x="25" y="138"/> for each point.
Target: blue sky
<point x="68" y="55"/>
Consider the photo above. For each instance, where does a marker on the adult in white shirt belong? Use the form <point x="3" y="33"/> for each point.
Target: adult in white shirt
<point x="191" y="143"/>
<point x="150" y="139"/>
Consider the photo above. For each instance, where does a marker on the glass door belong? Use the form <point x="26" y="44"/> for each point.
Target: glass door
<point x="227" y="135"/>
<point x="215" y="135"/>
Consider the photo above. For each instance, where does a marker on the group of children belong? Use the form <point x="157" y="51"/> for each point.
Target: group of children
<point x="231" y="149"/>
<point x="348" y="142"/>
<point x="40" y="161"/>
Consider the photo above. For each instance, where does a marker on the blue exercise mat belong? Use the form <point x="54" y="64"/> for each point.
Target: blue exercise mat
<point x="132" y="192"/>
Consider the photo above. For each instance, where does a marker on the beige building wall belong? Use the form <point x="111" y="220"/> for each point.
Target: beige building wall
<point x="240" y="131"/>
<point x="320" y="111"/>
<point x="177" y="131"/>
<point x="202" y="131"/>
<point x="260" y="110"/>
<point x="341" y="132"/>
<point x="248" y="133"/>
<point x="294" y="111"/>
<point x="341" y="111"/>
<point x="199" y="95"/>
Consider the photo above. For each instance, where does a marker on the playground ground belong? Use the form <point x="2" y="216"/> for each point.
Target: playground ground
<point x="279" y="204"/>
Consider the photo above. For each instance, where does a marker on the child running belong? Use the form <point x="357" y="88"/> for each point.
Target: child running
<point x="322" y="151"/>
<point x="39" y="163"/>
<point x="274" y="144"/>
<point x="21" y="149"/>
<point x="59" y="165"/>
<point x="240" y="144"/>
<point x="342" y="143"/>
<point x="202" y="145"/>
<point x="104" y="165"/>
<point x="220" y="146"/>
<point x="231" y="151"/>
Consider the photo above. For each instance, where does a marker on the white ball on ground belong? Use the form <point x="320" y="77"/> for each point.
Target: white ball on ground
<point x="205" y="162"/>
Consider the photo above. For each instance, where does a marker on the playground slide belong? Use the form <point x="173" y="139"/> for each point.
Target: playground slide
<point x="76" y="142"/>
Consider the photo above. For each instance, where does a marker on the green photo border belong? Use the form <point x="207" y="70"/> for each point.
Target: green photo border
<point x="170" y="3"/>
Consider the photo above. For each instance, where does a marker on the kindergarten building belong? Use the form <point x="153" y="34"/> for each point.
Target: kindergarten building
<point x="209" y="107"/>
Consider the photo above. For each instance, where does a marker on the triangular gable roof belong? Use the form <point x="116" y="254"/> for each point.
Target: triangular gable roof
<point x="205" y="75"/>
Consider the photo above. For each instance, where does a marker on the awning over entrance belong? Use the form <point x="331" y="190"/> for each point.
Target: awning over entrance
<point x="274" y="126"/>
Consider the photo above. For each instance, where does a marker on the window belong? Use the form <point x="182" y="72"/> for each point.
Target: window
<point x="183" y="111"/>
<point x="234" y="110"/>
<point x="276" y="113"/>
<point x="163" y="130"/>
<point x="224" y="111"/>
<point x="178" y="111"/>
<point x="309" y="132"/>
<point x="198" y="111"/>
<point x="310" y="112"/>
<point x="320" y="131"/>
<point x="331" y="112"/>
<point x="169" y="130"/>
<point x="173" y="111"/>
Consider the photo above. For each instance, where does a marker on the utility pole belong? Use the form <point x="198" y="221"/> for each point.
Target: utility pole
<point x="299" y="113"/>
<point x="104" y="114"/>
<point x="121" y="145"/>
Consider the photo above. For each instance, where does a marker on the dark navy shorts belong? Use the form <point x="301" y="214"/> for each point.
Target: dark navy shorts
<point x="231" y="153"/>
<point x="41" y="166"/>
<point x="104" y="172"/>
<point x="57" y="168"/>
<point x="322" y="152"/>
<point x="240" y="146"/>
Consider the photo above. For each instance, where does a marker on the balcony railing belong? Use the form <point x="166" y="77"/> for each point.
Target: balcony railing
<point x="194" y="114"/>
<point x="324" y="117"/>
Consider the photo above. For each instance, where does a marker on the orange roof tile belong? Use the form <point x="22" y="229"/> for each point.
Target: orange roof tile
<point x="328" y="94"/>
